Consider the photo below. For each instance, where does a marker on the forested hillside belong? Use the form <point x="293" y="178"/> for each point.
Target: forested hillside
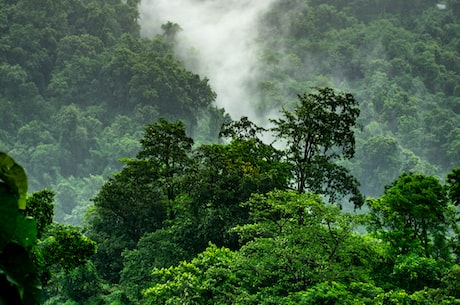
<point x="401" y="61"/>
<point x="78" y="85"/>
<point x="343" y="189"/>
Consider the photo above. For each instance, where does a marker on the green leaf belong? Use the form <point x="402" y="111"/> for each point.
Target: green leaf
<point x="26" y="231"/>
<point x="8" y="214"/>
<point x="20" y="271"/>
<point x="15" y="177"/>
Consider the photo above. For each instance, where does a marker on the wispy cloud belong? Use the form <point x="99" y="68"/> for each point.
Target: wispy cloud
<point x="217" y="41"/>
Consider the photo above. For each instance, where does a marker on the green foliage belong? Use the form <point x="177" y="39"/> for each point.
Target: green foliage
<point x="66" y="246"/>
<point x="380" y="161"/>
<point x="14" y="176"/>
<point x="301" y="242"/>
<point x="18" y="273"/>
<point x="204" y="280"/>
<point x="71" y="74"/>
<point x="166" y="147"/>
<point x="135" y="201"/>
<point x="400" y="61"/>
<point x="125" y="209"/>
<point x="77" y="85"/>
<point x="412" y="272"/>
<point x="40" y="206"/>
<point x="338" y="293"/>
<point x="413" y="215"/>
<point x="319" y="131"/>
<point x="453" y="186"/>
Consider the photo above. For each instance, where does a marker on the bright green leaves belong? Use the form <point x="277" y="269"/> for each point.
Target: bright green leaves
<point x="303" y="246"/>
<point x="412" y="272"/>
<point x="277" y="211"/>
<point x="67" y="247"/>
<point x="14" y="176"/>
<point x="206" y="279"/>
<point x="413" y="214"/>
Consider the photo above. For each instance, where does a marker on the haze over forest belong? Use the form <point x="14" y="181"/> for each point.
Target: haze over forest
<point x="220" y="152"/>
<point x="256" y="56"/>
<point x="217" y="40"/>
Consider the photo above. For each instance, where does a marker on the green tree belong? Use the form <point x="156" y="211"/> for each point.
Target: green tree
<point x="66" y="247"/>
<point x="294" y="243"/>
<point x="413" y="215"/>
<point x="128" y="205"/>
<point x="226" y="176"/>
<point x="297" y="241"/>
<point x="413" y="273"/>
<point x="40" y="206"/>
<point x="167" y="148"/>
<point x="136" y="200"/>
<point x="62" y="251"/>
<point x="204" y="280"/>
<point x="319" y="132"/>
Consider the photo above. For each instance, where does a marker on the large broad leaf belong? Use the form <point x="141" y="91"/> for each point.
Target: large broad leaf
<point x="8" y="214"/>
<point x="15" y="177"/>
<point x="26" y="231"/>
<point x="19" y="269"/>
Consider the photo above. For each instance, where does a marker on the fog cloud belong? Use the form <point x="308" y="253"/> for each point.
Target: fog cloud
<point x="217" y="41"/>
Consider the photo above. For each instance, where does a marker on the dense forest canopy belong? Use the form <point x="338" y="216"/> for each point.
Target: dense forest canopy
<point x="400" y="60"/>
<point x="79" y="83"/>
<point x="354" y="104"/>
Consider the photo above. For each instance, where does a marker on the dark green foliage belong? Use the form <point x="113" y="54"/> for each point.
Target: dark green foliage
<point x="169" y="190"/>
<point x="453" y="186"/>
<point x="319" y="131"/>
<point x="125" y="209"/>
<point x="70" y="72"/>
<point x="77" y="85"/>
<point x="401" y="62"/>
<point x="14" y="177"/>
<point x="134" y="202"/>
<point x="66" y="247"/>
<point x="40" y="206"/>
<point x="18" y="273"/>
<point x="166" y="147"/>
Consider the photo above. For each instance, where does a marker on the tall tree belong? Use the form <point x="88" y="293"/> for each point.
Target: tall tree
<point x="413" y="215"/>
<point x="318" y="132"/>
<point x="134" y="202"/>
<point x="167" y="147"/>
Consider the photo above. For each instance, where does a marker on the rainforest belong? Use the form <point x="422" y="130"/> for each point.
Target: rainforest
<point x="229" y="152"/>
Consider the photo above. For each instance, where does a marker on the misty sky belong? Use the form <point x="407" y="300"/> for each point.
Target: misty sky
<point x="216" y="41"/>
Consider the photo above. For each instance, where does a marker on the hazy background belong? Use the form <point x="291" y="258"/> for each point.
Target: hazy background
<point x="217" y="41"/>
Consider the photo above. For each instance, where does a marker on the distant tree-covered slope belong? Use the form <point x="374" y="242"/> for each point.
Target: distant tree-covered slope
<point x="77" y="86"/>
<point x="401" y="60"/>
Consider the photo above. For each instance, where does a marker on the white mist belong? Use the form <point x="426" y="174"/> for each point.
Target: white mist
<point x="217" y="41"/>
